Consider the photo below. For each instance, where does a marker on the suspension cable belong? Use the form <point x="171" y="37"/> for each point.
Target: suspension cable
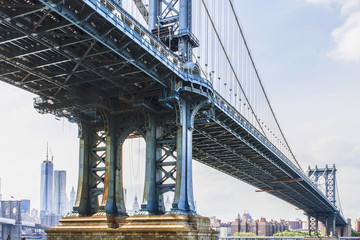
<point x="231" y="66"/>
<point x="261" y="85"/>
<point x="338" y="196"/>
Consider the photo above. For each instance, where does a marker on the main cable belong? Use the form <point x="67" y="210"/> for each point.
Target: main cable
<point x="338" y="196"/>
<point x="261" y="85"/>
<point x="231" y="66"/>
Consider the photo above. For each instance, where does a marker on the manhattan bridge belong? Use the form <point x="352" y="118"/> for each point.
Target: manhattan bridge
<point x="178" y="73"/>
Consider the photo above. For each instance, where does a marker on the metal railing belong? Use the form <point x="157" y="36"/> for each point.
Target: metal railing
<point x="228" y="108"/>
<point x="116" y="13"/>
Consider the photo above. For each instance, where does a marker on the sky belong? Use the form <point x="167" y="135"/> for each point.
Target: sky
<point x="308" y="55"/>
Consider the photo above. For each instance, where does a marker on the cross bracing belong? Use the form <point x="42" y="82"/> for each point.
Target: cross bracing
<point x="84" y="58"/>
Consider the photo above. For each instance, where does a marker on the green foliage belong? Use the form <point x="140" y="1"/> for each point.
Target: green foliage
<point x="286" y="233"/>
<point x="355" y="234"/>
<point x="244" y="234"/>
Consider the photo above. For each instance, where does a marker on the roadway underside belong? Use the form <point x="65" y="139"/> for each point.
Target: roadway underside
<point x="69" y="53"/>
<point x="224" y="145"/>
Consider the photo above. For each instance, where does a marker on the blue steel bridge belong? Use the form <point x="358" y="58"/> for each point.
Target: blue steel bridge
<point x="173" y="72"/>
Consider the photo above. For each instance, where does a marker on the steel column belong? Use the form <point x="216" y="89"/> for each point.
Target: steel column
<point x="185" y="48"/>
<point x="183" y="199"/>
<point x="82" y="203"/>
<point x="119" y="189"/>
<point x="159" y="175"/>
<point x="309" y="225"/>
<point x="334" y="226"/>
<point x="109" y="202"/>
<point x="327" y="227"/>
<point x="154" y="8"/>
<point x="151" y="198"/>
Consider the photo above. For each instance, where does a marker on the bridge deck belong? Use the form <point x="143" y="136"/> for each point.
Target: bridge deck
<point x="81" y="55"/>
<point x="229" y="143"/>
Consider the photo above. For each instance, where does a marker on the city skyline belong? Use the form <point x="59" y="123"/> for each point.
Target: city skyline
<point x="309" y="76"/>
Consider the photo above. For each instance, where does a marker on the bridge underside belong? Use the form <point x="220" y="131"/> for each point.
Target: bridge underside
<point x="76" y="58"/>
<point x="100" y="68"/>
<point x="224" y="145"/>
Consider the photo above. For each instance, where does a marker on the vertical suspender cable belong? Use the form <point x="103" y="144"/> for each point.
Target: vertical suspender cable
<point x="228" y="60"/>
<point x="218" y="48"/>
<point x="206" y="46"/>
<point x="261" y="85"/>
<point x="213" y="48"/>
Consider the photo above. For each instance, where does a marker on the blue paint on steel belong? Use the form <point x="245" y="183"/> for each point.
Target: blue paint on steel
<point x="131" y="33"/>
<point x="265" y="149"/>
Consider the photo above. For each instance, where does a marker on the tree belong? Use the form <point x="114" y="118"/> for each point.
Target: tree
<point x="286" y="233"/>
<point x="244" y="234"/>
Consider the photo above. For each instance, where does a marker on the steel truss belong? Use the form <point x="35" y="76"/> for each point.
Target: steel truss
<point x="170" y="21"/>
<point x="168" y="160"/>
<point x="329" y="175"/>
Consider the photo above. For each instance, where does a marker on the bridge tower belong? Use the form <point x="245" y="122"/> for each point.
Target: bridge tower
<point x="171" y="21"/>
<point x="11" y="210"/>
<point x="326" y="176"/>
<point x="329" y="176"/>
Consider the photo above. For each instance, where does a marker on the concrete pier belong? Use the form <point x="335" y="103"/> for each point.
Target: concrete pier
<point x="144" y="227"/>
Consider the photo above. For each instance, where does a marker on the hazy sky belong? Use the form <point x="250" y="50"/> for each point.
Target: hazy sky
<point x="308" y="56"/>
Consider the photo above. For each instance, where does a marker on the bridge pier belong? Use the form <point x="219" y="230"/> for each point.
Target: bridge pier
<point x="313" y="225"/>
<point x="100" y="173"/>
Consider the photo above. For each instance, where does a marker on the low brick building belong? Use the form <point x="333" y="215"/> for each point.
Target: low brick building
<point x="259" y="227"/>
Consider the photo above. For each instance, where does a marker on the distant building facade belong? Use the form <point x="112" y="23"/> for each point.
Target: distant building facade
<point x="224" y="229"/>
<point x="51" y="220"/>
<point x="59" y="202"/>
<point x="295" y="225"/>
<point x="357" y="225"/>
<point x="246" y="224"/>
<point x="25" y="205"/>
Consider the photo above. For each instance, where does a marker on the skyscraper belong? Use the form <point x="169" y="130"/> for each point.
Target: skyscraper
<point x="46" y="189"/>
<point x="0" y="191"/>
<point x="25" y="205"/>
<point x="59" y="205"/>
<point x="72" y="198"/>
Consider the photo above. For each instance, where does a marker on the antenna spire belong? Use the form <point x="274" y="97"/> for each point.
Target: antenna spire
<point x="47" y="151"/>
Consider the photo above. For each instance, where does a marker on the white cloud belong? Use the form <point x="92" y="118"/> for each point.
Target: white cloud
<point x="347" y="39"/>
<point x="349" y="6"/>
<point x="347" y="36"/>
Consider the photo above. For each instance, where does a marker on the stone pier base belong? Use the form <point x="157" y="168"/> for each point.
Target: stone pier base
<point x="147" y="227"/>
